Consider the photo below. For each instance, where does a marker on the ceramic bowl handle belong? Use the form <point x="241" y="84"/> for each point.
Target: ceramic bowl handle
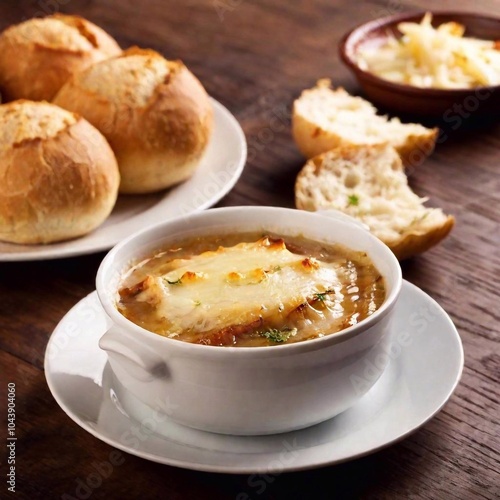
<point x="341" y="216"/>
<point x="140" y="361"/>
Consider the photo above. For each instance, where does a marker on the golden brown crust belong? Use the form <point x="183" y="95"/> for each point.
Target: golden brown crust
<point x="415" y="243"/>
<point x="312" y="140"/>
<point x="158" y="143"/>
<point x="39" y="55"/>
<point x="93" y="33"/>
<point x="56" y="188"/>
<point x="22" y="122"/>
<point x="417" y="147"/>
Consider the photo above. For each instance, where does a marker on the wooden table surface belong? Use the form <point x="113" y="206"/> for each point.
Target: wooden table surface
<point x="255" y="57"/>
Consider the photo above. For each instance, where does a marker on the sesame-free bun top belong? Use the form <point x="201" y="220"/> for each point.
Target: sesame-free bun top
<point x="155" y="114"/>
<point x="59" y="175"/>
<point x="38" y="56"/>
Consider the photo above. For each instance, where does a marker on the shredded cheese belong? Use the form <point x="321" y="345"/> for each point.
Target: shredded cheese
<point x="434" y="57"/>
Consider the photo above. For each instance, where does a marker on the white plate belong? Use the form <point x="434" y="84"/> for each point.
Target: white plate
<point x="219" y="169"/>
<point x="425" y="367"/>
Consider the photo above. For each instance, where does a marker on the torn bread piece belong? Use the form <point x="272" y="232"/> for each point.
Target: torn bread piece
<point x="369" y="183"/>
<point x="324" y="118"/>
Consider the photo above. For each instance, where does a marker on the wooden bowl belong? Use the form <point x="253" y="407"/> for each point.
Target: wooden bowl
<point x="448" y="105"/>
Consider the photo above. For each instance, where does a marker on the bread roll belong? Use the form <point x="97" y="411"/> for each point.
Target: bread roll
<point x="155" y="114"/>
<point x="369" y="183"/>
<point x="59" y="176"/>
<point x="39" y="55"/>
<point x="325" y="118"/>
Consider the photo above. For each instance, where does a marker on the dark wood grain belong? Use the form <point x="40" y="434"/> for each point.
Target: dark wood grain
<point x="255" y="61"/>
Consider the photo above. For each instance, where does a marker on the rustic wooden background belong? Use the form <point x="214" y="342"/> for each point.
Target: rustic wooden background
<point x="255" y="57"/>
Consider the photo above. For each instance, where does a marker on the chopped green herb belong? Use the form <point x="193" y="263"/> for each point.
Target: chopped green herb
<point x="277" y="269"/>
<point x="197" y="303"/>
<point x="278" y="336"/>
<point x="322" y="296"/>
<point x="353" y="200"/>
<point x="177" y="282"/>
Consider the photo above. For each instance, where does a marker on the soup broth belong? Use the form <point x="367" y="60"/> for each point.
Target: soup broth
<point x="250" y="290"/>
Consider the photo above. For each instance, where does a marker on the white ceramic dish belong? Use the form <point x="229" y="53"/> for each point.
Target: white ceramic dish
<point x="218" y="172"/>
<point x="422" y="374"/>
<point x="245" y="390"/>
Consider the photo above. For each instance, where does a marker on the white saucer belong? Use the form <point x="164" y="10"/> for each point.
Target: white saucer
<point x="219" y="169"/>
<point x="425" y="367"/>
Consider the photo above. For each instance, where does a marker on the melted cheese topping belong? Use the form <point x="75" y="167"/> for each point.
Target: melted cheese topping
<point x="247" y="284"/>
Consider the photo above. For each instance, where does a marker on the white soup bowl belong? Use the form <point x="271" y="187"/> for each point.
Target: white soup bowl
<point x="249" y="390"/>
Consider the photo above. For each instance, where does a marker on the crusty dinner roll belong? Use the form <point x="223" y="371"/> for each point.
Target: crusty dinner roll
<point x="324" y="118"/>
<point x="369" y="183"/>
<point x="155" y="114"/>
<point x="59" y="176"/>
<point x="39" y="55"/>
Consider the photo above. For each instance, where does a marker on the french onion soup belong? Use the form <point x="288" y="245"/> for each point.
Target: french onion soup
<point x="250" y="290"/>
